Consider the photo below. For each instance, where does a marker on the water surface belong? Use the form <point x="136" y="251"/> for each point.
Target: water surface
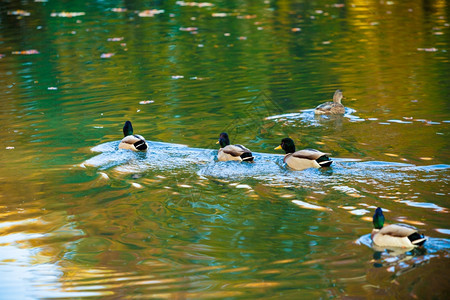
<point x="82" y="219"/>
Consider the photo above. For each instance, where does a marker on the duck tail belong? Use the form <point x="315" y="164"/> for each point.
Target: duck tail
<point x="417" y="239"/>
<point x="247" y="156"/>
<point x="140" y="145"/>
<point x="324" y="161"/>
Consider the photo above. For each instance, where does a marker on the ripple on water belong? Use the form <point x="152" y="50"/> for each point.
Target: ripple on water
<point x="308" y="117"/>
<point x="267" y="167"/>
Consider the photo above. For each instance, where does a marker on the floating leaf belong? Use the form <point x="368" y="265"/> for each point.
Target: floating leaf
<point x="26" y="52"/>
<point x="198" y="4"/>
<point x="115" y="39"/>
<point x="107" y="55"/>
<point x="219" y="15"/>
<point x="119" y="9"/>
<point x="67" y="14"/>
<point x="146" y="102"/>
<point x="150" y="12"/>
<point x="19" y="12"/>
<point x="427" y="49"/>
<point x="188" y="28"/>
<point x="296" y="29"/>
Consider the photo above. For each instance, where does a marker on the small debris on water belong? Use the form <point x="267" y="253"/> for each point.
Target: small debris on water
<point x="146" y="102"/>
<point x="9" y="147"/>
<point x="19" y="12"/>
<point x="115" y="39"/>
<point x="26" y="52"/>
<point x="119" y="9"/>
<point x="150" y="12"/>
<point x="107" y="55"/>
<point x="67" y="14"/>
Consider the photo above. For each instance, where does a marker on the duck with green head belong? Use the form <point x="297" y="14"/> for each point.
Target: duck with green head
<point x="232" y="152"/>
<point x="303" y="159"/>
<point x="394" y="235"/>
<point x="132" y="141"/>
<point x="332" y="108"/>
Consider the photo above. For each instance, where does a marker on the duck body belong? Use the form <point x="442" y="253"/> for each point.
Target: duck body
<point x="132" y="141"/>
<point x="394" y="235"/>
<point x="229" y="152"/>
<point x="303" y="159"/>
<point x="332" y="108"/>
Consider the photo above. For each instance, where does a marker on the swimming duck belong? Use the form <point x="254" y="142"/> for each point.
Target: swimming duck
<point x="232" y="152"/>
<point x="132" y="141"/>
<point x="303" y="159"/>
<point x="332" y="108"/>
<point x="394" y="235"/>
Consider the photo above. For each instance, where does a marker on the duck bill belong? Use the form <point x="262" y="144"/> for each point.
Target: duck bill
<point x="217" y="142"/>
<point x="278" y="148"/>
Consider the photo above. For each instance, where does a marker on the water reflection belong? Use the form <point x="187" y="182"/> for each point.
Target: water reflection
<point x="173" y="222"/>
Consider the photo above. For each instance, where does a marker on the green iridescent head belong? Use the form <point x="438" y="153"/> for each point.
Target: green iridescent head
<point x="378" y="218"/>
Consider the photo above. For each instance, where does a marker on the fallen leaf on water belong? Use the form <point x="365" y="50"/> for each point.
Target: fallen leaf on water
<point x="219" y="15"/>
<point x="146" y="102"/>
<point x="427" y="49"/>
<point x="26" y="52"/>
<point x="150" y="12"/>
<point x="188" y="28"/>
<point x="107" y="55"/>
<point x="19" y="12"/>
<point x="115" y="39"/>
<point x="296" y="29"/>
<point x="198" y="4"/>
<point x="247" y="17"/>
<point x="119" y="9"/>
<point x="67" y="14"/>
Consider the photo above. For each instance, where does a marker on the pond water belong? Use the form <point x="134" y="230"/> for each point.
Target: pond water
<point x="82" y="219"/>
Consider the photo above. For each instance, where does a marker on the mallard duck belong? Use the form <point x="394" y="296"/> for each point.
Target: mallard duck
<point x="394" y="235"/>
<point x="332" y="108"/>
<point x="132" y="141"/>
<point x="303" y="159"/>
<point x="232" y="152"/>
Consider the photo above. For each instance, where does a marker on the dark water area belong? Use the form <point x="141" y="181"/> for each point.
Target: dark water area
<point x="80" y="219"/>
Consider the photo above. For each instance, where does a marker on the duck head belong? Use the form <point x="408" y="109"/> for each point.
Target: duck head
<point x="337" y="97"/>
<point x="127" y="129"/>
<point x="378" y="219"/>
<point x="223" y="140"/>
<point x="287" y="145"/>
